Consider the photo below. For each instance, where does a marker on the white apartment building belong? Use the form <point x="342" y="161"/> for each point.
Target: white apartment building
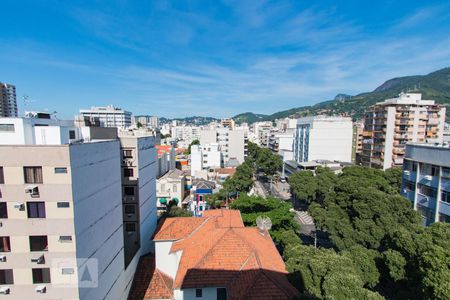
<point x="8" y="100"/>
<point x="323" y="138"/>
<point x="170" y="187"/>
<point x="390" y="125"/>
<point x="204" y="157"/>
<point x="109" y="116"/>
<point x="286" y="124"/>
<point x="76" y="216"/>
<point x="185" y="133"/>
<point x="281" y="143"/>
<point x="147" y="121"/>
<point x="232" y="143"/>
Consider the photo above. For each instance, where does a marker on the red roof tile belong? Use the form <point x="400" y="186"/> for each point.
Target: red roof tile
<point x="176" y="228"/>
<point x="221" y="252"/>
<point x="150" y="283"/>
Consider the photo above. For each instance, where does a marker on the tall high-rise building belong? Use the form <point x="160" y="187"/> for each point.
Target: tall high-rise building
<point x="389" y="125"/>
<point x="426" y="180"/>
<point x="8" y="100"/>
<point x="109" y="116"/>
<point x="323" y="138"/>
<point x="76" y="213"/>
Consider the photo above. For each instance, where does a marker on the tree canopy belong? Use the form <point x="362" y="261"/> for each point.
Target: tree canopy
<point x="194" y="142"/>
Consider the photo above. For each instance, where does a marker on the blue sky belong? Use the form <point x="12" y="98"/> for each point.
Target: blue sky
<point x="215" y="58"/>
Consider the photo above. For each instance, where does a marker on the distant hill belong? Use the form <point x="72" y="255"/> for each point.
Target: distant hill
<point x="435" y="86"/>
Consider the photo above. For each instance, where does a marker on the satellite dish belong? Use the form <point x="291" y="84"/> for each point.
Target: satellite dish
<point x="264" y="223"/>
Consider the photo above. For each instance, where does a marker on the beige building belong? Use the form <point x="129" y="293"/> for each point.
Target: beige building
<point x="389" y="125"/>
<point x="170" y="187"/>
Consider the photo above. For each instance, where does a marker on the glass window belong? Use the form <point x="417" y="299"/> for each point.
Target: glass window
<point x="41" y="275"/>
<point x="130" y="227"/>
<point x="7" y="127"/>
<point x="61" y="170"/>
<point x="38" y="243"/>
<point x="67" y="271"/>
<point x="65" y="238"/>
<point x="128" y="190"/>
<point x="63" y="204"/>
<point x="444" y="218"/>
<point x="127" y="153"/>
<point x="221" y="294"/>
<point x="127" y="172"/>
<point x="427" y="191"/>
<point x="5" y="245"/>
<point x="445" y="172"/>
<point x="3" y="210"/>
<point x="72" y="134"/>
<point x="2" y="177"/>
<point x="32" y="174"/>
<point x="6" y="276"/>
<point x="445" y="196"/>
<point x="36" y="209"/>
<point x="130" y="209"/>
<point x="409" y="185"/>
<point x="198" y="293"/>
<point x="174" y="189"/>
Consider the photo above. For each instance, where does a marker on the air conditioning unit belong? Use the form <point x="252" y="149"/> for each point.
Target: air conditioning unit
<point x="19" y="206"/>
<point x="129" y="198"/>
<point x="428" y="177"/>
<point x="4" y="290"/>
<point x="32" y="190"/>
<point x="41" y="289"/>
<point x="406" y="172"/>
<point x="40" y="260"/>
<point x="2" y="258"/>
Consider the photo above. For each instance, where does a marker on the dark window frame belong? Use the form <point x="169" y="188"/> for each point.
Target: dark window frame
<point x="128" y="172"/>
<point x="41" y="275"/>
<point x="60" y="170"/>
<point x="5" y="244"/>
<point x="6" y="276"/>
<point x="63" y="204"/>
<point x="36" y="241"/>
<point x="129" y="188"/>
<point x="198" y="293"/>
<point x="2" y="176"/>
<point x="3" y="210"/>
<point x="36" y="210"/>
<point x="35" y="177"/>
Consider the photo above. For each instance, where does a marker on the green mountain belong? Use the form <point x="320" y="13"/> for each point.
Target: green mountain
<point x="435" y="86"/>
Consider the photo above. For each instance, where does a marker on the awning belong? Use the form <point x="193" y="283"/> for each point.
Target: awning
<point x="175" y="200"/>
<point x="163" y="201"/>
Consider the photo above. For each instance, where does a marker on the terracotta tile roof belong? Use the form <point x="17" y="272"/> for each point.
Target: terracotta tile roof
<point x="225" y="217"/>
<point x="221" y="252"/>
<point x="150" y="283"/>
<point x="176" y="228"/>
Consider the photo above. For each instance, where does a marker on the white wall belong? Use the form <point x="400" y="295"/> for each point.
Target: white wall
<point x="165" y="261"/>
<point x="209" y="293"/>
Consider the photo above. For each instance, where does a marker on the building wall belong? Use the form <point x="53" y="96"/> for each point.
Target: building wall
<point x="8" y="100"/>
<point x="98" y="214"/>
<point x="58" y="221"/>
<point x="209" y="293"/>
<point x="165" y="261"/>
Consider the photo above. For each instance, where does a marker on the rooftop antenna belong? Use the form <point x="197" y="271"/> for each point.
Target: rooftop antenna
<point x="264" y="223"/>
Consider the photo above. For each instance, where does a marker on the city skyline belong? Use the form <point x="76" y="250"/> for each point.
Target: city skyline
<point x="213" y="59"/>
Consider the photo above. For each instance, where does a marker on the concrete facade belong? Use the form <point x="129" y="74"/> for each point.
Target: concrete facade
<point x="426" y="181"/>
<point x="323" y="138"/>
<point x="109" y="116"/>
<point x="8" y="100"/>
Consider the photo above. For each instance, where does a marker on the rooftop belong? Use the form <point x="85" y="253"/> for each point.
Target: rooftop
<point x="218" y="251"/>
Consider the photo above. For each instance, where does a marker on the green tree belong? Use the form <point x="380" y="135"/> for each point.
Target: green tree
<point x="242" y="180"/>
<point x="194" y="142"/>
<point x="304" y="186"/>
<point x="394" y="178"/>
<point x="325" y="274"/>
<point x="267" y="162"/>
<point x="175" y="211"/>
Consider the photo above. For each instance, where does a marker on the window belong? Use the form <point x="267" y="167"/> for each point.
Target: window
<point x="445" y="196"/>
<point x="61" y="170"/>
<point x="130" y="209"/>
<point x="3" y="210"/>
<point x="32" y="174"/>
<point x="72" y="134"/>
<point x="5" y="245"/>
<point x="67" y="271"/>
<point x="130" y="227"/>
<point x="174" y="189"/>
<point x="221" y="294"/>
<point x="6" y="276"/>
<point x="7" y="127"/>
<point x="36" y="209"/>
<point x="128" y="190"/>
<point x="409" y="185"/>
<point x="65" y="238"/>
<point x="444" y="218"/>
<point x="445" y="173"/>
<point x="41" y="275"/>
<point x="38" y="243"/>
<point x="2" y="177"/>
<point x="127" y="153"/>
<point x="127" y="172"/>
<point x="198" y="293"/>
<point x="427" y="191"/>
<point x="63" y="204"/>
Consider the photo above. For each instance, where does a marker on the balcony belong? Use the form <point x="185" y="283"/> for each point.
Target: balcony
<point x="444" y="208"/>
<point x="410" y="175"/>
<point x="426" y="201"/>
